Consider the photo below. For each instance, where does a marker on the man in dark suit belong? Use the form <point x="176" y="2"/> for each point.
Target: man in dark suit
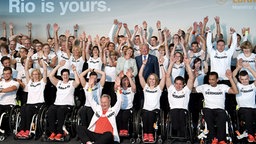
<point x="151" y="66"/>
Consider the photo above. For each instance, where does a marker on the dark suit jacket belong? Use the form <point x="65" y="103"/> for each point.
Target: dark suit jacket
<point x="151" y="66"/>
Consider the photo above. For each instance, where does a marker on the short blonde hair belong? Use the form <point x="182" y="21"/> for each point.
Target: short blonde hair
<point x="39" y="74"/>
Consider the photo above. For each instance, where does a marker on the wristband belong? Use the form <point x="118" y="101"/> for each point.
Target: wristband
<point x="159" y="29"/>
<point x="145" y="29"/>
<point x="89" y="89"/>
<point x="161" y="65"/>
<point x="246" y="32"/>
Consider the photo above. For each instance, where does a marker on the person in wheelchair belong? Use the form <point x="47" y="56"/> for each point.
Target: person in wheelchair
<point x="35" y="86"/>
<point x="102" y="128"/>
<point x="178" y="96"/>
<point x="152" y="92"/>
<point x="8" y="90"/>
<point x="64" y="101"/>
<point x="86" y="111"/>
<point x="246" y="97"/>
<point x="128" y="88"/>
<point x="214" y="108"/>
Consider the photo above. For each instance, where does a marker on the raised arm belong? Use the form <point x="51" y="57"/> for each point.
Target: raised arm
<point x="191" y="77"/>
<point x="77" y="81"/>
<point x="160" y="36"/>
<point x="248" y="66"/>
<point x="162" y="81"/>
<point x="48" y="26"/>
<point x="45" y="71"/>
<point x="144" y="34"/>
<point x="119" y="26"/>
<point x="89" y="42"/>
<point x="206" y="19"/>
<point x="234" y="40"/>
<point x="233" y="89"/>
<point x="103" y="76"/>
<point x="76" y="27"/>
<point x="11" y="27"/>
<point x="30" y="53"/>
<point x="167" y="53"/>
<point x="112" y="30"/>
<point x="52" y="77"/>
<point x="129" y="75"/>
<point x="29" y="26"/>
<point x="238" y="68"/>
<point x="141" y="78"/>
<point x="83" y="38"/>
<point x="128" y="32"/>
<point x="4" y="29"/>
<point x="218" y="30"/>
<point x="169" y="71"/>
<point x="56" y="42"/>
<point x="82" y="75"/>
<point x="187" y="38"/>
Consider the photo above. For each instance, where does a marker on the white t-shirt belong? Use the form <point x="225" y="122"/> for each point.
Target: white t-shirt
<point x="214" y="97"/>
<point x="50" y="56"/>
<point x="178" y="70"/>
<point x="78" y="64"/>
<point x="22" y="76"/>
<point x="251" y="61"/>
<point x="65" y="93"/>
<point x="178" y="99"/>
<point x="94" y="64"/>
<point x="96" y="93"/>
<point x="34" y="58"/>
<point x="127" y="98"/>
<point x="8" y="98"/>
<point x="199" y="80"/>
<point x="246" y="96"/>
<point x="136" y="49"/>
<point x="151" y="98"/>
<point x="165" y="64"/>
<point x="35" y="92"/>
<point x="19" y="66"/>
<point x="154" y="50"/>
<point x="63" y="56"/>
<point x="110" y="73"/>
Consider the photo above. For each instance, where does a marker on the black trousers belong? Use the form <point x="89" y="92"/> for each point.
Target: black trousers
<point x="179" y="118"/>
<point x="248" y="115"/>
<point x="123" y="119"/>
<point x="148" y="119"/>
<point x="7" y="109"/>
<point x="27" y="112"/>
<point x="216" y="118"/>
<point x="86" y="114"/>
<point x="57" y="113"/>
<point x="195" y="106"/>
<point x="86" y="135"/>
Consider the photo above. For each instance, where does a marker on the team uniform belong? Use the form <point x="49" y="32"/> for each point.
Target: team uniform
<point x="94" y="64"/>
<point x="214" y="98"/>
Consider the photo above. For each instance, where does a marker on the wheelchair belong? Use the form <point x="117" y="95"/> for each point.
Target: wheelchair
<point x="159" y="127"/>
<point x="35" y="130"/>
<point x="9" y="117"/>
<point x="241" y="131"/>
<point x="172" y="135"/>
<point x="69" y="126"/>
<point x="202" y="130"/>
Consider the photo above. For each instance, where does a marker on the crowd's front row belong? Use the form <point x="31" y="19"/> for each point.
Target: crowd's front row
<point x="103" y="124"/>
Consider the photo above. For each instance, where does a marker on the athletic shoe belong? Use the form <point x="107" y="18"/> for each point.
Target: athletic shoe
<point x="151" y="137"/>
<point x="58" y="137"/>
<point x="125" y="132"/>
<point x="222" y="142"/>
<point x="52" y="136"/>
<point x="19" y="134"/>
<point x="26" y="134"/>
<point x="145" y="137"/>
<point x="215" y="141"/>
<point x="250" y="138"/>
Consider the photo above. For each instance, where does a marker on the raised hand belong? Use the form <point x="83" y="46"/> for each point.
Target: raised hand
<point x="145" y="25"/>
<point x="229" y="73"/>
<point x="76" y="27"/>
<point x="136" y="28"/>
<point x="30" y="53"/>
<point x="217" y="19"/>
<point x="67" y="33"/>
<point x="48" y="26"/>
<point x="11" y="26"/>
<point x="119" y="25"/>
<point x="62" y="62"/>
<point x="29" y="25"/>
<point x="125" y="25"/>
<point x="206" y="19"/>
<point x="232" y="30"/>
<point x="56" y="27"/>
<point x="144" y="62"/>
<point x="158" y="24"/>
<point x="4" y="25"/>
<point x="115" y="21"/>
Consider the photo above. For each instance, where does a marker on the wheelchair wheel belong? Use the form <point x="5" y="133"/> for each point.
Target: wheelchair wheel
<point x="14" y="112"/>
<point x="73" y="122"/>
<point x="162" y="126"/>
<point x="40" y="115"/>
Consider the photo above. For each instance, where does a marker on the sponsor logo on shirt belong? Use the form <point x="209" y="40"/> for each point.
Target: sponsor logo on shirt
<point x="246" y="91"/>
<point x="220" y="57"/>
<point x="178" y="96"/>
<point x="60" y="87"/>
<point x="149" y="91"/>
<point x="32" y="85"/>
<point x="94" y="61"/>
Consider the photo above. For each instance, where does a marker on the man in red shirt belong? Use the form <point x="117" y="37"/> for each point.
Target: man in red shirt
<point x="102" y="128"/>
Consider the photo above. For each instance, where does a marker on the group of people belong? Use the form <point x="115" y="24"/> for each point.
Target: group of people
<point x="119" y="73"/>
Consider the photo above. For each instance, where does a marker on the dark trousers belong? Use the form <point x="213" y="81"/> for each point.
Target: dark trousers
<point x="49" y="93"/>
<point x="148" y="119"/>
<point x="248" y="115"/>
<point x="216" y="118"/>
<point x="123" y="119"/>
<point x="6" y="109"/>
<point x="86" y="135"/>
<point x="195" y="106"/>
<point x="57" y="113"/>
<point x="178" y="120"/>
<point x="27" y="112"/>
<point x="86" y="114"/>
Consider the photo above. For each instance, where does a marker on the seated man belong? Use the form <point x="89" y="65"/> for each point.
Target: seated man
<point x="102" y="129"/>
<point x="214" y="98"/>
<point x="8" y="90"/>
